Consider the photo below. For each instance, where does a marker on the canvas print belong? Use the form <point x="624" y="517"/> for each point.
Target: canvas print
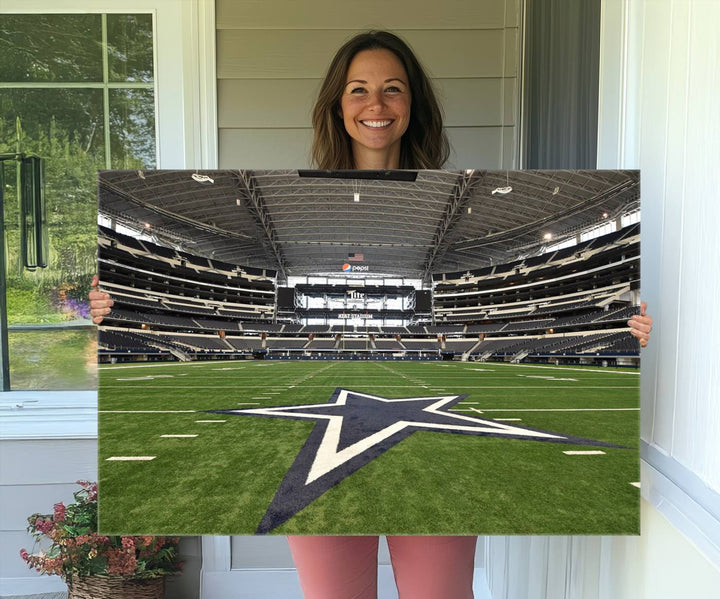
<point x="369" y="352"/>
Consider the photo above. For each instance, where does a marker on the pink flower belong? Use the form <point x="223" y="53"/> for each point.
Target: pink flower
<point x="43" y="526"/>
<point x="121" y="562"/>
<point x="59" y="512"/>
<point x="128" y="543"/>
<point x="89" y="488"/>
<point x="69" y="555"/>
<point x="53" y="565"/>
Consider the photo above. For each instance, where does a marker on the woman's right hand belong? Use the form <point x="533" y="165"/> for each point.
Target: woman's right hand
<point x="100" y="302"/>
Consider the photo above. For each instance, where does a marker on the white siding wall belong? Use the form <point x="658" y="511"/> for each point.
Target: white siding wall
<point x="660" y="84"/>
<point x="271" y="57"/>
<point x="36" y="474"/>
<point x="677" y="127"/>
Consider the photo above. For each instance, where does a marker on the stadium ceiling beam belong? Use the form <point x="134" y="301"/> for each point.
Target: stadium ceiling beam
<point x="129" y="197"/>
<point x="255" y="197"/>
<point x="455" y="202"/>
<point x="515" y="233"/>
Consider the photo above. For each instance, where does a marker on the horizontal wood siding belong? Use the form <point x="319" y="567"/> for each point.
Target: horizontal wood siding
<point x="287" y="103"/>
<point x="264" y="148"/>
<point x="271" y="58"/>
<point x="402" y="14"/>
<point x="306" y="54"/>
<point x="34" y="476"/>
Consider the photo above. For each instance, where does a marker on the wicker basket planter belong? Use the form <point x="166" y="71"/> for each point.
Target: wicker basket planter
<point x="116" y="587"/>
<point x="98" y="566"/>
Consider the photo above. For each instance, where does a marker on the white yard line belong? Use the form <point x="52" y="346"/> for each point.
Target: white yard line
<point x="565" y="368"/>
<point x="178" y="436"/>
<point x="435" y="375"/>
<point x="325" y="386"/>
<point x="312" y="374"/>
<point x="459" y="367"/>
<point x="149" y="377"/>
<point x="148" y="411"/>
<point x="159" y="365"/>
<point x="131" y="458"/>
<point x="547" y="378"/>
<point x="564" y="410"/>
<point x="593" y="452"/>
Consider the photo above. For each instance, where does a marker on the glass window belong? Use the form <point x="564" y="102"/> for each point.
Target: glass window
<point x="77" y="90"/>
<point x="605" y="229"/>
<point x="129" y="48"/>
<point x="630" y="219"/>
<point x="44" y="48"/>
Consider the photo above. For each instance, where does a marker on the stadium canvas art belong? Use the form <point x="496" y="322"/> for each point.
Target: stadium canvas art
<point x="361" y="352"/>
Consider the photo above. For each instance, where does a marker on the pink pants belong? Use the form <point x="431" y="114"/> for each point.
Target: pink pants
<point x="345" y="567"/>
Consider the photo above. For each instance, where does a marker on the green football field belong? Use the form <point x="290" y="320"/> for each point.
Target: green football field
<point x="180" y="470"/>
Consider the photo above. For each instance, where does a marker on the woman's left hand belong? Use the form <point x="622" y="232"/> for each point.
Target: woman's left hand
<point x="641" y="325"/>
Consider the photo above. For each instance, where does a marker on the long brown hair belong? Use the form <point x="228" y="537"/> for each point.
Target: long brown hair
<point x="424" y="144"/>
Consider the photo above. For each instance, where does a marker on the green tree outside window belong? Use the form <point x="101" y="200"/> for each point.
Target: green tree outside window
<point x="78" y="91"/>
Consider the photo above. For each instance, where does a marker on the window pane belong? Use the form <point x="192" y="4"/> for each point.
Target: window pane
<point x="53" y="359"/>
<point x="130" y="47"/>
<point x="132" y="128"/>
<point x="65" y="127"/>
<point x="52" y="341"/>
<point x="50" y="48"/>
<point x="54" y="121"/>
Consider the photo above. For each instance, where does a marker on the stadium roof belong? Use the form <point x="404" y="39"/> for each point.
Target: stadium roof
<point x="309" y="222"/>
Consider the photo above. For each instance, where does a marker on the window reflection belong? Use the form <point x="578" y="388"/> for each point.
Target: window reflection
<point x="60" y="88"/>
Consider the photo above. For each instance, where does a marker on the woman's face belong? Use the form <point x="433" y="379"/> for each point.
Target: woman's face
<point x="375" y="108"/>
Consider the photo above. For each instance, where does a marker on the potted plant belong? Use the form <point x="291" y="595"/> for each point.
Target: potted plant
<point x="96" y="566"/>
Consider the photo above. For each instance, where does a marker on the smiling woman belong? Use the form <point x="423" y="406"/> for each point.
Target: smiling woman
<point x="363" y="116"/>
<point x="375" y="107"/>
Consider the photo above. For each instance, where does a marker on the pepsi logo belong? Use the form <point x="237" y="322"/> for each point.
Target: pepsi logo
<point x="357" y="268"/>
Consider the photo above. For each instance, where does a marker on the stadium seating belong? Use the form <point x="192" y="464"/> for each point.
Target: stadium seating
<point x="569" y="304"/>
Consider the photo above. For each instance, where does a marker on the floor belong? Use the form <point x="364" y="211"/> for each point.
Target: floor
<point x="283" y="584"/>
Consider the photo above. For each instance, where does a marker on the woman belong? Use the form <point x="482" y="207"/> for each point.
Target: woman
<point x="349" y="100"/>
<point x="377" y="110"/>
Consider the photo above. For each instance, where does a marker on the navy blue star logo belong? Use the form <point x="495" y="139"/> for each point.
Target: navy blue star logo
<point x="354" y="428"/>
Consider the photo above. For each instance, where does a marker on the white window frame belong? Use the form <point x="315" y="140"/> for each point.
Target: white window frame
<point x="186" y="130"/>
<point x="186" y="137"/>
<point x="675" y="490"/>
<point x="185" y="88"/>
